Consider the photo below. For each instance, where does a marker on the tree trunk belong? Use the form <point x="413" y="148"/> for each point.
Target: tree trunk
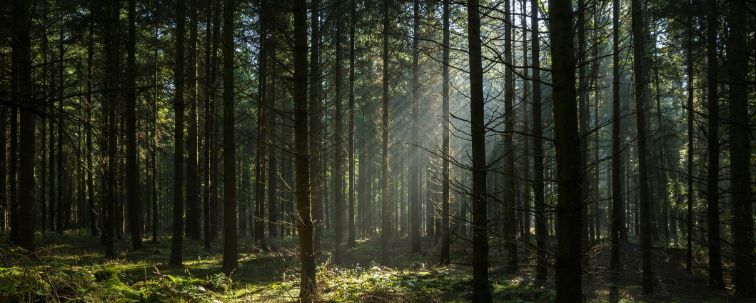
<point x="689" y="71"/>
<point x="230" y="250"/>
<point x="712" y="178"/>
<point x="262" y="129"/>
<point x="315" y="111"/>
<point x="481" y="287"/>
<point x="21" y="79"/>
<point x="112" y="87"/>
<point x="193" y="210"/>
<point x="568" y="156"/>
<point x="618" y="207"/>
<point x="510" y="224"/>
<point x="414" y="181"/>
<point x="178" y="135"/>
<point x="133" y="202"/>
<point x="540" y="215"/>
<point x="209" y="164"/>
<point x="337" y="170"/>
<point x="740" y="151"/>
<point x="350" y="136"/>
<point x="308" y="290"/>
<point x="385" y="219"/>
<point x="641" y="97"/>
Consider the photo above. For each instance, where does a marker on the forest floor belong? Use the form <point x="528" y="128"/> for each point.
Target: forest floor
<point x="72" y="267"/>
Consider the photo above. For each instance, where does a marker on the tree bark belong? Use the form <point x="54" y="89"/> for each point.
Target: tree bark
<point x="538" y="187"/>
<point x="21" y="85"/>
<point x="350" y="136"/>
<point x="445" y="201"/>
<point x="641" y="98"/>
<point x="740" y="151"/>
<point x="569" y="226"/>
<point x="308" y="290"/>
<point x="481" y="287"/>
<point x="618" y="207"/>
<point x="133" y="202"/>
<point x="262" y="129"/>
<point x="178" y="159"/>
<point x="337" y="171"/>
<point x="712" y="178"/>
<point x="193" y="210"/>
<point x="315" y="144"/>
<point x="510" y="224"/>
<point x="230" y="250"/>
<point x="385" y="218"/>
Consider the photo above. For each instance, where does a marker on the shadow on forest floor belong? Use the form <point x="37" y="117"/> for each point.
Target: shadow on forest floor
<point x="72" y="267"/>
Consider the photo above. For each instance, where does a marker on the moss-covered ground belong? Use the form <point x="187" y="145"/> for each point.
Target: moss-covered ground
<point x="72" y="268"/>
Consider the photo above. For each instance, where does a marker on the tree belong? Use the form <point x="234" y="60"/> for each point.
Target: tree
<point x="413" y="158"/>
<point x="230" y="253"/>
<point x="510" y="224"/>
<point x="209" y="163"/>
<point x="308" y="291"/>
<point x="315" y="109"/>
<point x="481" y="289"/>
<point x="689" y="104"/>
<point x="740" y="150"/>
<point x="350" y="216"/>
<point x="618" y="207"/>
<point x="337" y="177"/>
<point x="641" y="98"/>
<point x="569" y="177"/>
<point x="712" y="177"/>
<point x="23" y="215"/>
<point x="445" y="207"/>
<point x="193" y="211"/>
<point x="178" y="138"/>
<point x="385" y="219"/>
<point x="262" y="128"/>
<point x="133" y="202"/>
<point x="540" y="215"/>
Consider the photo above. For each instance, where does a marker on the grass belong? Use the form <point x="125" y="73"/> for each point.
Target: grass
<point x="72" y="267"/>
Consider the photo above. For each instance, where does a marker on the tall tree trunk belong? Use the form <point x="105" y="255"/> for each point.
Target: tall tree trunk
<point x="338" y="158"/>
<point x="63" y="205"/>
<point x="209" y="89"/>
<point x="712" y="178"/>
<point x="538" y="187"/>
<point x="308" y="291"/>
<point x="740" y="151"/>
<point x="177" y="238"/>
<point x="21" y="85"/>
<point x="193" y="210"/>
<point x="481" y="287"/>
<point x="525" y="213"/>
<point x="414" y="186"/>
<point x="315" y="146"/>
<point x="582" y="93"/>
<point x="262" y="128"/>
<point x="618" y="207"/>
<point x="510" y="224"/>
<point x="230" y="250"/>
<point x="90" y="176"/>
<point x="385" y="219"/>
<point x="153" y="120"/>
<point x="445" y="201"/>
<point x="112" y="88"/>
<point x="689" y="71"/>
<point x="350" y="136"/>
<point x="133" y="202"/>
<point x="569" y="226"/>
<point x="641" y="98"/>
